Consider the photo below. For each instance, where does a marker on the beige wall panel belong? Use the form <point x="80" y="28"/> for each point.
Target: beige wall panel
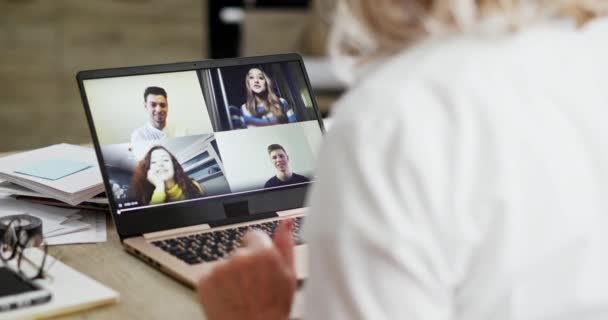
<point x="45" y="42"/>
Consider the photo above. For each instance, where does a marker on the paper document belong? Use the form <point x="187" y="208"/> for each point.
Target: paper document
<point x="59" y="225"/>
<point x="70" y="225"/>
<point x="96" y="231"/>
<point x="51" y="217"/>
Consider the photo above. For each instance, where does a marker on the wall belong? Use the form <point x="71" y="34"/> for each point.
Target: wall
<point x="44" y="43"/>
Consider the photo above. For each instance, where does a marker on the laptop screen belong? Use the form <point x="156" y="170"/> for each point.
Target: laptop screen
<point x="174" y="137"/>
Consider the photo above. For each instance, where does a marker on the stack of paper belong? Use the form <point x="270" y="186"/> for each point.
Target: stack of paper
<point x="97" y="203"/>
<point x="60" y="226"/>
<point x="65" y="172"/>
<point x="17" y="190"/>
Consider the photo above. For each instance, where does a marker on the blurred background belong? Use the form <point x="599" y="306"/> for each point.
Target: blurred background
<point x="45" y="43"/>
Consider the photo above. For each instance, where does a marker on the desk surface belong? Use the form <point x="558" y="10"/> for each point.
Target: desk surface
<point x="145" y="293"/>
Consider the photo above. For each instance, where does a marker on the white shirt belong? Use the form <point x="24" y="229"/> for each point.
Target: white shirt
<point x="467" y="178"/>
<point x="149" y="133"/>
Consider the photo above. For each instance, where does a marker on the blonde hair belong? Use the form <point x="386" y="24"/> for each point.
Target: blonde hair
<point x="368" y="28"/>
<point x="271" y="102"/>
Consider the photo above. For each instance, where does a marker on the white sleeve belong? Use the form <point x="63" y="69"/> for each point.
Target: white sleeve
<point x="137" y="136"/>
<point x="380" y="243"/>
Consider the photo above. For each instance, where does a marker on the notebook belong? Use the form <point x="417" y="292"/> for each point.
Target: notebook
<point x="194" y="154"/>
<point x="71" y="291"/>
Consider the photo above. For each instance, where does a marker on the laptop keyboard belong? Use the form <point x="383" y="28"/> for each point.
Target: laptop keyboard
<point x="211" y="246"/>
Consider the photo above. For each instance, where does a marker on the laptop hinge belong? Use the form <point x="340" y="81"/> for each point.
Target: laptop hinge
<point x="151" y="236"/>
<point x="292" y="212"/>
<point x="177" y="232"/>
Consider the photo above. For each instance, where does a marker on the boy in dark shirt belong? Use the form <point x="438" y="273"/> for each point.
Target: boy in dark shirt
<point x="284" y="176"/>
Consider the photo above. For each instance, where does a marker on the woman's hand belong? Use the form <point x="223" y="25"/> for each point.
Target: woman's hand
<point x="155" y="178"/>
<point x="257" y="282"/>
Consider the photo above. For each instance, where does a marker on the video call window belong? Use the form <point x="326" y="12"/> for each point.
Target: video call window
<point x="165" y="171"/>
<point x="255" y="96"/>
<point x="269" y="157"/>
<point x="172" y="137"/>
<point x="147" y="107"/>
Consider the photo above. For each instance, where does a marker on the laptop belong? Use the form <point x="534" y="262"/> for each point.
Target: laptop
<point x="194" y="154"/>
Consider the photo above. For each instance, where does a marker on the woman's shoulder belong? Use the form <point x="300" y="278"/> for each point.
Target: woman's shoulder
<point x="419" y="86"/>
<point x="434" y="72"/>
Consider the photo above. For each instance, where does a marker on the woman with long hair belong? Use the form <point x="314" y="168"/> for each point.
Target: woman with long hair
<point x="464" y="175"/>
<point x="159" y="178"/>
<point x="263" y="107"/>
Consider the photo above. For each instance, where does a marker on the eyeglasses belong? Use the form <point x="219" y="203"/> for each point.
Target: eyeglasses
<point x="17" y="243"/>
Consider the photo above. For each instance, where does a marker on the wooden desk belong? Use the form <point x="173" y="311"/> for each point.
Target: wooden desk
<point x="145" y="293"/>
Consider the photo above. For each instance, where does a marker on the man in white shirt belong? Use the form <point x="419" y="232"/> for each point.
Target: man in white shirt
<point x="157" y="108"/>
<point x="464" y="177"/>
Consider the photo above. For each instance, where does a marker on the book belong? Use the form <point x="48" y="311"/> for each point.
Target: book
<point x="65" y="172"/>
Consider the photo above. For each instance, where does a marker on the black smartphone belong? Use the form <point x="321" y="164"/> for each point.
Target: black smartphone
<point x="17" y="291"/>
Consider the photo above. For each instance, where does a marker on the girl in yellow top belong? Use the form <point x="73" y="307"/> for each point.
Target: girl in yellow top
<point x="159" y="178"/>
